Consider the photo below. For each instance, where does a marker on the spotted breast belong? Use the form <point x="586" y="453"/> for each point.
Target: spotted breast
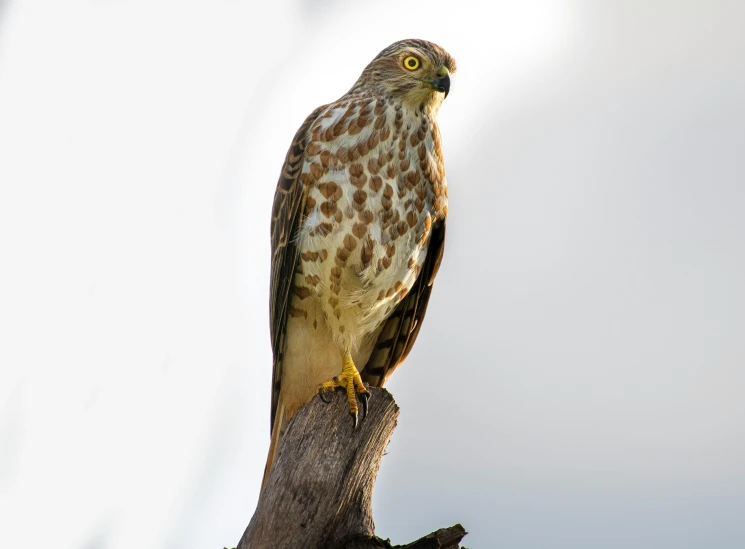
<point x="377" y="183"/>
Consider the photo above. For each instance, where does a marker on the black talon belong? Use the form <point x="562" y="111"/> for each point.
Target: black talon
<point x="354" y="419"/>
<point x="364" y="397"/>
<point x="322" y="395"/>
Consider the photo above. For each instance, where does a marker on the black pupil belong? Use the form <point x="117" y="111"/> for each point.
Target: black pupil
<point x="412" y="63"/>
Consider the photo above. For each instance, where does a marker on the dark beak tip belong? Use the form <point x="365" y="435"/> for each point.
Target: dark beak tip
<point x="442" y="84"/>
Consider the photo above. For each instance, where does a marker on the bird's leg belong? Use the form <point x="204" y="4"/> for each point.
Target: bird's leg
<point x="351" y="381"/>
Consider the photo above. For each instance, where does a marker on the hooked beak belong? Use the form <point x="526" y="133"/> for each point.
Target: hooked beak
<point x="442" y="83"/>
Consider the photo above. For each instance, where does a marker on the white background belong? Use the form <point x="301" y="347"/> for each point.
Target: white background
<point x="579" y="381"/>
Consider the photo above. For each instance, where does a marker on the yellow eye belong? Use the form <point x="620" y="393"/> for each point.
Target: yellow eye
<point x="411" y="63"/>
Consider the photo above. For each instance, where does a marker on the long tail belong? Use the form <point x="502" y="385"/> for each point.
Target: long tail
<point x="281" y="419"/>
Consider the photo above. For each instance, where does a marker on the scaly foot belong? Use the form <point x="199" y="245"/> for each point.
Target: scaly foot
<point x="351" y="381"/>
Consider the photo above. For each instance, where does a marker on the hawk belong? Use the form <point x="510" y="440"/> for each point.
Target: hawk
<point x="358" y="229"/>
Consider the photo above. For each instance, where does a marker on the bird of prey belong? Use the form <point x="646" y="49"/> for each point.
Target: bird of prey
<point x="358" y="229"/>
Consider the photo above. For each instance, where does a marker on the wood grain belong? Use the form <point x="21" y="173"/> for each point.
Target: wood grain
<point x="319" y="491"/>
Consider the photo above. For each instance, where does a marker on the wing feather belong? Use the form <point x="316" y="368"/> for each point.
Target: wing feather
<point x="402" y="328"/>
<point x="287" y="213"/>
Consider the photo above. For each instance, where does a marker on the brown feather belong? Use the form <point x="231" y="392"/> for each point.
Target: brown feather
<point x="401" y="329"/>
<point x="289" y="202"/>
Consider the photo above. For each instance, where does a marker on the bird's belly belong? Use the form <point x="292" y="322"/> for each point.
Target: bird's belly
<point x="359" y="262"/>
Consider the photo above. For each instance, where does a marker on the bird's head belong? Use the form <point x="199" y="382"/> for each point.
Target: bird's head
<point x="414" y="72"/>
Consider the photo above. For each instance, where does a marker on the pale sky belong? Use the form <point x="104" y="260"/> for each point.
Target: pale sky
<point x="583" y="352"/>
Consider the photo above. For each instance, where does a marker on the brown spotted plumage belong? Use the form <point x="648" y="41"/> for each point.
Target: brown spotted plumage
<point x="358" y="229"/>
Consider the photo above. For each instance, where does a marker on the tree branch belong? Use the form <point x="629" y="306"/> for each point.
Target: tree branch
<point x="319" y="491"/>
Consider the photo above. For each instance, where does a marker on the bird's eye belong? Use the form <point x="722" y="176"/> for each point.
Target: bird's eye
<point x="411" y="63"/>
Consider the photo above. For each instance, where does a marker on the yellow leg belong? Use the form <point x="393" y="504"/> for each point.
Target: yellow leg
<point x="351" y="381"/>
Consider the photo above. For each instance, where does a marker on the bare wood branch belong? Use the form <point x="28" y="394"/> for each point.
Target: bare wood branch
<point x="319" y="492"/>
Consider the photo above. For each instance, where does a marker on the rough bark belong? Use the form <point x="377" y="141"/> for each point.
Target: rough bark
<point x="319" y="492"/>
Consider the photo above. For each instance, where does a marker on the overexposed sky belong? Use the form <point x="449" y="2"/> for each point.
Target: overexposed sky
<point x="583" y="352"/>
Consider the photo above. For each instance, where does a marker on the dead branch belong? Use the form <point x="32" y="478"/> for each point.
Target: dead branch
<point x="319" y="492"/>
